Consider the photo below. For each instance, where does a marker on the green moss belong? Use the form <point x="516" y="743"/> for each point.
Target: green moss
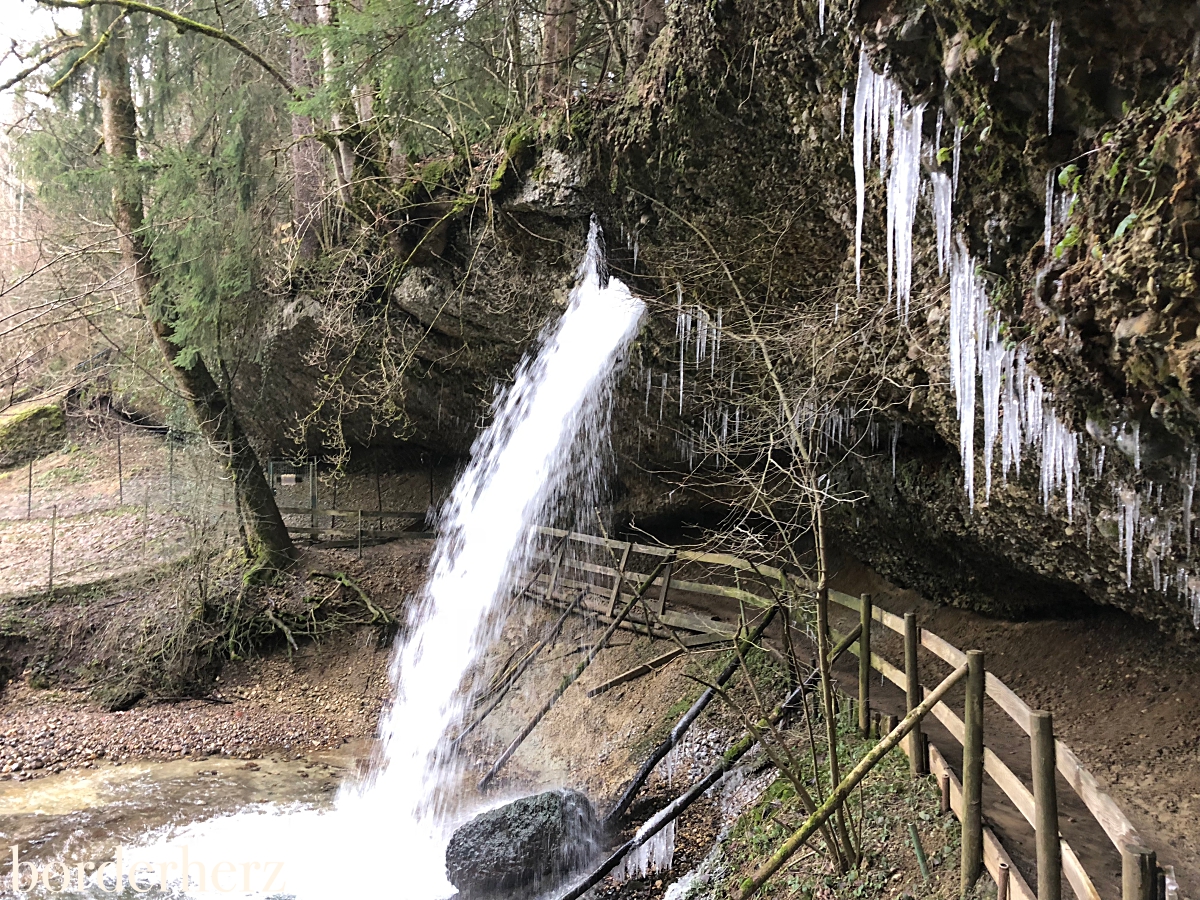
<point x="29" y="431"/>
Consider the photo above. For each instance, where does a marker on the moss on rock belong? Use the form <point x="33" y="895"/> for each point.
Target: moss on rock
<point x="30" y="430"/>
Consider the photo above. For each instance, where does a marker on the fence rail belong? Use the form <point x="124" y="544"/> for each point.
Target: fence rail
<point x="1138" y="863"/>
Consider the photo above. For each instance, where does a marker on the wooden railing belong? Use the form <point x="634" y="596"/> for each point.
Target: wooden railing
<point x="357" y="524"/>
<point x="560" y="571"/>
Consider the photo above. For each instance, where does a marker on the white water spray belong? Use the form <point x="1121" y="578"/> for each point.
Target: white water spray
<point x="387" y="835"/>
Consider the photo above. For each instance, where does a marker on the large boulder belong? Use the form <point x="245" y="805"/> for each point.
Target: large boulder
<point x="30" y="430"/>
<point x="529" y="843"/>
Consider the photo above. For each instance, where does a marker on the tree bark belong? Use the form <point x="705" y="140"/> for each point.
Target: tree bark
<point x="558" y="46"/>
<point x="308" y="167"/>
<point x="266" y="534"/>
<point x="647" y="19"/>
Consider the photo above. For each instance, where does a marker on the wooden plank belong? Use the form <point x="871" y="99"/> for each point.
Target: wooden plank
<point x="681" y="619"/>
<point x="1003" y="697"/>
<point x="352" y="513"/>
<point x="952" y="723"/>
<point x="1007" y="781"/>
<point x="993" y="851"/>
<point x="1118" y="828"/>
<point x="637" y="671"/>
<point x="696" y="587"/>
<point x="944" y="650"/>
<point x="1077" y="875"/>
<point x="993" y="855"/>
<point x="882" y="616"/>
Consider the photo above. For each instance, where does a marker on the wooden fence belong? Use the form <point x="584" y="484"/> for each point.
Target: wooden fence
<point x="356" y="524"/>
<point x="1038" y="805"/>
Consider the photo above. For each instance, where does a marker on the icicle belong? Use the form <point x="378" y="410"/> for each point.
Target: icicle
<point x="662" y="400"/>
<point x="958" y="130"/>
<point x="1010" y="409"/>
<point x="1053" y="64"/>
<point x="657" y="854"/>
<point x="967" y="309"/>
<point x="943" y="216"/>
<point x="1048" y="226"/>
<point x="991" y="365"/>
<point x="845" y="97"/>
<point x="1189" y="492"/>
<point x="649" y="378"/>
<point x="821" y="15"/>
<point x="1127" y="527"/>
<point x="863" y="97"/>
<point x="903" y="188"/>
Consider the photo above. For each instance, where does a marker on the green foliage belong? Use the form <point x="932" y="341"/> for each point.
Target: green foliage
<point x="1123" y="226"/>
<point x="430" y="68"/>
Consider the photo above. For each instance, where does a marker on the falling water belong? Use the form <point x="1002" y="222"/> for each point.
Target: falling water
<point x="387" y="835"/>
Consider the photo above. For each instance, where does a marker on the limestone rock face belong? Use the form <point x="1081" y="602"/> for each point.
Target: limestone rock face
<point x="531" y="842"/>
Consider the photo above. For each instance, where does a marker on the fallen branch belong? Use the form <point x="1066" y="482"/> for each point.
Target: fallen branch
<point x="751" y="885"/>
<point x="545" y="642"/>
<point x="570" y="679"/>
<point x="681" y="727"/>
<point x="693" y="642"/>
<point x="728" y="760"/>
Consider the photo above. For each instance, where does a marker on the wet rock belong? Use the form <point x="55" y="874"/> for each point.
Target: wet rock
<point x="531" y="842"/>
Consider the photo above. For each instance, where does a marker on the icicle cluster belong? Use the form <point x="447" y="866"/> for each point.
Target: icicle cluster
<point x="656" y="855"/>
<point x="883" y="120"/>
<point x="992" y="379"/>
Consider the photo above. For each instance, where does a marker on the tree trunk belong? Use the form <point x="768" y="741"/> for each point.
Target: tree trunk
<point x="558" y="46"/>
<point x="308" y="167"/>
<point x="266" y="534"/>
<point x="647" y="19"/>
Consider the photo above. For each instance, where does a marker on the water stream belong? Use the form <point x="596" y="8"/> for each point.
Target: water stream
<point x="385" y="836"/>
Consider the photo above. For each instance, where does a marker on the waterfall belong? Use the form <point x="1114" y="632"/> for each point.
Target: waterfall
<point x="521" y="469"/>
<point x="387" y="835"/>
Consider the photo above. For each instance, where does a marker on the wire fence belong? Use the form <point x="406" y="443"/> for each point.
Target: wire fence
<point x="120" y="497"/>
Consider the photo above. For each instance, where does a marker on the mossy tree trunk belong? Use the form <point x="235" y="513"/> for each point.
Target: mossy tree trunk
<point x="266" y="535"/>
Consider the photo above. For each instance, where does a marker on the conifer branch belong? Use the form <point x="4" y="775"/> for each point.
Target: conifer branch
<point x="186" y="24"/>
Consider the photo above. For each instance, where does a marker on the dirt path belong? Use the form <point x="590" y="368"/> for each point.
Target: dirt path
<point x="1123" y="698"/>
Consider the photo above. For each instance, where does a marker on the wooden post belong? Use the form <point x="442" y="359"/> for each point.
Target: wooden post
<point x="145" y="523"/>
<point x="53" y="526"/>
<point x="944" y="784"/>
<point x="618" y="579"/>
<point x="662" y="594"/>
<point x="1002" y="882"/>
<point x="312" y="495"/>
<point x="120" y="470"/>
<point x="1045" y="799"/>
<point x="29" y="493"/>
<point x="378" y="495"/>
<point x="864" y="668"/>
<point x="972" y="789"/>
<point x="1138" y="880"/>
<point x="916" y="749"/>
<point x="890" y="723"/>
